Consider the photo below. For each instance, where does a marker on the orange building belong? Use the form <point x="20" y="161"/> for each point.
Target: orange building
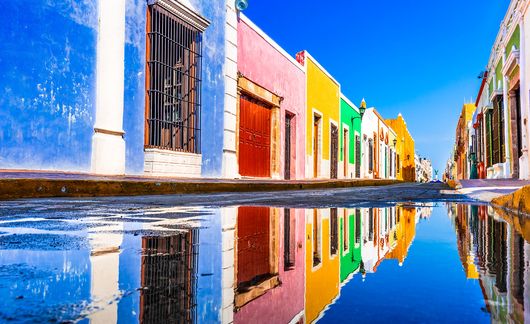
<point x="405" y="232"/>
<point x="406" y="167"/>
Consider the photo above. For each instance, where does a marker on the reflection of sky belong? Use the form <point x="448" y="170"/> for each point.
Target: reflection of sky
<point x="431" y="286"/>
<point x="43" y="284"/>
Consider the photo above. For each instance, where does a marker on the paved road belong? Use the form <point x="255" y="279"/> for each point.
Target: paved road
<point x="344" y="197"/>
<point x="488" y="189"/>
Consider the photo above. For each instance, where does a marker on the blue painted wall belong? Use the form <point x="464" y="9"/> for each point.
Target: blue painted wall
<point x="212" y="85"/>
<point x="48" y="63"/>
<point x="48" y="59"/>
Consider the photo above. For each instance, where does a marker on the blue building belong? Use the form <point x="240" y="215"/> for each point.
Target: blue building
<point x="119" y="87"/>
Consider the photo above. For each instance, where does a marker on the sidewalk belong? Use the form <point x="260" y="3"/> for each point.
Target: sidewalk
<point x="488" y="189"/>
<point x="16" y="184"/>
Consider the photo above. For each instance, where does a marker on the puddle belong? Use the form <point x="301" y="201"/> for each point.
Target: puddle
<point x="426" y="262"/>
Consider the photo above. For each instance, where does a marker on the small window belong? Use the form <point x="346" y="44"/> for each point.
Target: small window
<point x="370" y="155"/>
<point x="173" y="82"/>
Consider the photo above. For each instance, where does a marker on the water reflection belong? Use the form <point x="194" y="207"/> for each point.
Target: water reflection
<point x="494" y="248"/>
<point x="267" y="265"/>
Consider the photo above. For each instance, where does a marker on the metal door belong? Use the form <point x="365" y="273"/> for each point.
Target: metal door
<point x="254" y="138"/>
<point x="253" y="243"/>
<point x="287" y="163"/>
<point x="334" y="151"/>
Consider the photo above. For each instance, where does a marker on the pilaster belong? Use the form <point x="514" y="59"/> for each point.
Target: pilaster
<point x="230" y="167"/>
<point x="108" y="145"/>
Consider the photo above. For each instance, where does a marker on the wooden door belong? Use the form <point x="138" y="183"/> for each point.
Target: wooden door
<point x="287" y="163"/>
<point x="253" y="243"/>
<point x="316" y="147"/>
<point x="334" y="151"/>
<point x="254" y="138"/>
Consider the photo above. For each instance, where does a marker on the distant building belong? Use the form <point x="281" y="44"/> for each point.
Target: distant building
<point x="423" y="169"/>
<point x="406" y="165"/>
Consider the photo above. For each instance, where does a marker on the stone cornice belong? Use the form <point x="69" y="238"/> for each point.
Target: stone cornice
<point x="184" y="12"/>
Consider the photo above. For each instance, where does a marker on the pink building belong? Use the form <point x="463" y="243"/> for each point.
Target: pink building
<point x="270" y="265"/>
<point x="271" y="110"/>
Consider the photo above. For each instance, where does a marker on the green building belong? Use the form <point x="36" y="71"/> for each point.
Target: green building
<point x="350" y="141"/>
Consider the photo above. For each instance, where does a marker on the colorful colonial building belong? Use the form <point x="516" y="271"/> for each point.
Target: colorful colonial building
<point x="405" y="165"/>
<point x="323" y="118"/>
<point x="271" y="113"/>
<point x="500" y="126"/>
<point x="379" y="147"/>
<point x="350" y="141"/>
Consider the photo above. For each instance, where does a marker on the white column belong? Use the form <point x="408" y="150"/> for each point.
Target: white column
<point x="507" y="137"/>
<point x="108" y="145"/>
<point x="230" y="163"/>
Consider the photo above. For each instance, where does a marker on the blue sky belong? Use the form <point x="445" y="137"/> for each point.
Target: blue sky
<point x="420" y="58"/>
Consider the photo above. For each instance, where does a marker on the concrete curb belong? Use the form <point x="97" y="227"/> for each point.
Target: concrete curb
<point x="46" y="188"/>
<point x="517" y="202"/>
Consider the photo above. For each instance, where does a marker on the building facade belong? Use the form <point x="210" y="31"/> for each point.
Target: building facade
<point x="463" y="133"/>
<point x="405" y="164"/>
<point x="271" y="113"/>
<point x="379" y="147"/>
<point x="323" y="118"/>
<point x="500" y="125"/>
<point x="350" y="141"/>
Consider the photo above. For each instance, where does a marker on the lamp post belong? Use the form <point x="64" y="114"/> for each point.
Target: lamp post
<point x="362" y="110"/>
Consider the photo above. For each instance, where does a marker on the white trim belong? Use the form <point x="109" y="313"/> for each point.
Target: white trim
<point x="184" y="11"/>
<point x="343" y="97"/>
<point x="512" y="61"/>
<point x="307" y="55"/>
<point x="269" y="40"/>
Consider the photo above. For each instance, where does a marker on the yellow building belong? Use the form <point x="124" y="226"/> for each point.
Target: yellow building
<point x="406" y="167"/>
<point x="323" y="117"/>
<point x="322" y="261"/>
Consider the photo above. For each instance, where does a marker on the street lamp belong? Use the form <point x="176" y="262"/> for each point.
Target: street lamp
<point x="395" y="142"/>
<point x="362" y="110"/>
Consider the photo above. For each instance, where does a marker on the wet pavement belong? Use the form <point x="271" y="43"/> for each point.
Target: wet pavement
<point x="423" y="255"/>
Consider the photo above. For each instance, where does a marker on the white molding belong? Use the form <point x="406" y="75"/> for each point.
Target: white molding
<point x="269" y="40"/>
<point x="512" y="61"/>
<point x="343" y="97"/>
<point x="184" y="11"/>
<point x="307" y="55"/>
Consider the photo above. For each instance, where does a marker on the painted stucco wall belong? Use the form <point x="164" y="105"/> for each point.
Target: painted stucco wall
<point x="283" y="303"/>
<point x="48" y="59"/>
<point x="322" y="281"/>
<point x="405" y="148"/>
<point x="262" y="63"/>
<point x="212" y="95"/>
<point x="347" y="112"/>
<point x="323" y="96"/>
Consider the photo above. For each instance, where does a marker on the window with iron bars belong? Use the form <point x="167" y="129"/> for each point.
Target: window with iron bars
<point x="173" y="82"/>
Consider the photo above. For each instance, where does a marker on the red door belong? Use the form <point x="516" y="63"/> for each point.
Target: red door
<point x="253" y="237"/>
<point x="254" y="138"/>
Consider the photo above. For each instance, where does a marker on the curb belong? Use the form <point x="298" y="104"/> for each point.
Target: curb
<point x="47" y="188"/>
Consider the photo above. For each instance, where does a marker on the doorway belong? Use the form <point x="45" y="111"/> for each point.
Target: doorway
<point x="254" y="138"/>
<point x="346" y="144"/>
<point x="287" y="162"/>
<point x="334" y="152"/>
<point x="316" y="146"/>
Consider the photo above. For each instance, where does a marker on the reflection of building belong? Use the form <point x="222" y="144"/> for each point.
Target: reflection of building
<point x="379" y="236"/>
<point x="258" y="259"/>
<point x="502" y="247"/>
<point x="350" y="242"/>
<point x="169" y="278"/>
<point x="322" y="261"/>
<point x="405" y="233"/>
